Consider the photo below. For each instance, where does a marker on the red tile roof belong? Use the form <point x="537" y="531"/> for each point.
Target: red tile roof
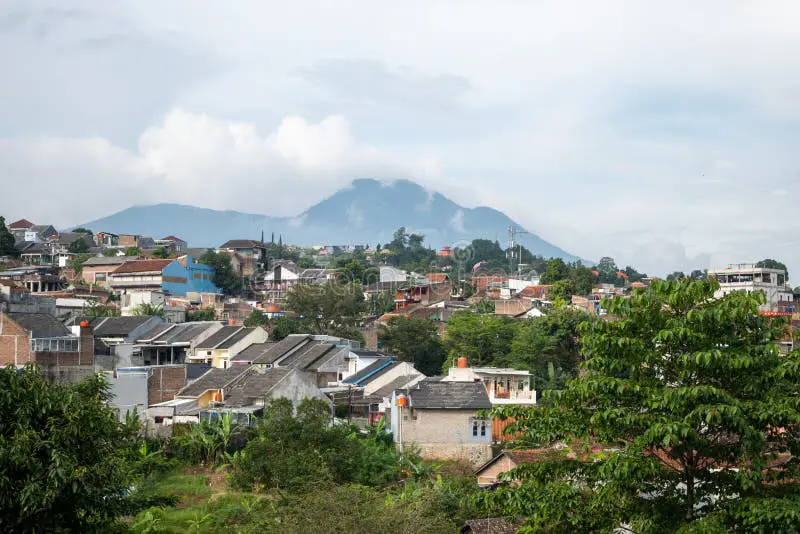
<point x="22" y="223"/>
<point x="535" y="291"/>
<point x="436" y="278"/>
<point x="142" y="266"/>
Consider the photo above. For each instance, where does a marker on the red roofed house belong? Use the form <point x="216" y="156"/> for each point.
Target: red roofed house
<point x="18" y="228"/>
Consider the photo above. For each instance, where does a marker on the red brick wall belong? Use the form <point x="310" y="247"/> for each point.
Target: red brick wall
<point x="164" y="382"/>
<point x="15" y="346"/>
<point x="86" y="346"/>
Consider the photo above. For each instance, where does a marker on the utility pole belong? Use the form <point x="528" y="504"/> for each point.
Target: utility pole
<point x="513" y="231"/>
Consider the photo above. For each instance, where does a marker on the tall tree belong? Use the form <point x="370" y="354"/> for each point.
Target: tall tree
<point x="584" y="278"/>
<point x="556" y="270"/>
<point x="414" y="340"/>
<point x="160" y="252"/>
<point x="482" y="339"/>
<point x="697" y="408"/>
<point x="329" y="308"/>
<point x="79" y="246"/>
<point x="563" y="290"/>
<point x="225" y="277"/>
<point x="773" y="264"/>
<point x="62" y="455"/>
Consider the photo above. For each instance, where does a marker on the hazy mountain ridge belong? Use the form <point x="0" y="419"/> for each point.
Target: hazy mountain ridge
<point x="366" y="212"/>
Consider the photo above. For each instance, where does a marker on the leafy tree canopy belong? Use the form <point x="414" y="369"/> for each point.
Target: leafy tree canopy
<point x="225" y="277"/>
<point x="773" y="264"/>
<point x="415" y="340"/>
<point x="329" y="308"/>
<point x="161" y="253"/>
<point x="697" y="413"/>
<point x="482" y="339"/>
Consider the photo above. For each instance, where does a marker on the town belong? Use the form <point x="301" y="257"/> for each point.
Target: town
<point x="440" y="352"/>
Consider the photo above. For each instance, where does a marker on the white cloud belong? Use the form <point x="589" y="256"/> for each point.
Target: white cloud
<point x="631" y="129"/>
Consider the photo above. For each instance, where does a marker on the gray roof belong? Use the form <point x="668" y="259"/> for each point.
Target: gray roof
<point x="237" y="337"/>
<point x="169" y="334"/>
<point x="218" y="337"/>
<point x="118" y="326"/>
<point x="370" y="372"/>
<point x="398" y="383"/>
<point x="154" y="333"/>
<point x="254" y="385"/>
<point x="214" y="379"/>
<point x="308" y="354"/>
<point x="281" y="348"/>
<point x="108" y="260"/>
<point x="252" y="352"/>
<point x="427" y="395"/>
<point x="41" y="325"/>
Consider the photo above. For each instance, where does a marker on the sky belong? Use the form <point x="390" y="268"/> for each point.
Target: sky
<point x="663" y="134"/>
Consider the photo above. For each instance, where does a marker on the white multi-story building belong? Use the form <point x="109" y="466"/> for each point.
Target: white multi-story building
<point x="504" y="386"/>
<point x="747" y="277"/>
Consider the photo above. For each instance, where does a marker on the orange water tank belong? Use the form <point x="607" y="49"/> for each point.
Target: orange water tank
<point x="402" y="400"/>
<point x="462" y="363"/>
<point x="84" y="324"/>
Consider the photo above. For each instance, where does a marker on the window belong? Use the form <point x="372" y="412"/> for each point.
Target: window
<point x="474" y="427"/>
<point x="479" y="428"/>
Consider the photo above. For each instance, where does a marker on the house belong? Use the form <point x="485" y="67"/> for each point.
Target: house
<point x="96" y="270"/>
<point x="773" y="283"/>
<point x="249" y="255"/>
<point x="137" y="241"/>
<point x="489" y="473"/>
<point x="375" y="385"/>
<point x="233" y="312"/>
<point x="163" y="344"/>
<point x="172" y="276"/>
<point x="392" y="275"/>
<point x="242" y="391"/>
<point x="36" y="279"/>
<point x="439" y="419"/>
<point x="171" y="243"/>
<point x="18" y="229"/>
<point x="421" y="293"/>
<point x="39" y="233"/>
<point x="281" y="277"/>
<point x="325" y="356"/>
<point x="35" y="252"/>
<point x="37" y="338"/>
<point x="174" y="311"/>
<point x="15" y="298"/>
<point x="503" y="385"/>
<point x="218" y="349"/>
<point x="106" y="239"/>
<point x="138" y="388"/>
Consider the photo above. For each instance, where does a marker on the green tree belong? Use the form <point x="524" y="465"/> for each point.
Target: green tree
<point x="225" y="277"/>
<point x="206" y="314"/>
<point x="414" y="340"/>
<point x="281" y="327"/>
<point x="7" y="247"/>
<point x="132" y="251"/>
<point x="562" y="291"/>
<point x="95" y="309"/>
<point x="484" y="306"/>
<point x="697" y="274"/>
<point x="83" y="231"/>
<point x="161" y="253"/>
<point x="698" y="408"/>
<point x="379" y="303"/>
<point x="556" y="270"/>
<point x="150" y="310"/>
<point x="256" y="318"/>
<point x="329" y="308"/>
<point x="77" y="262"/>
<point x="773" y="264"/>
<point x="351" y="273"/>
<point x="583" y="279"/>
<point x="62" y="455"/>
<point x="549" y="347"/>
<point x="482" y="339"/>
<point x="79" y="246"/>
<point x="109" y="252"/>
<point x="677" y="275"/>
<point x="607" y="269"/>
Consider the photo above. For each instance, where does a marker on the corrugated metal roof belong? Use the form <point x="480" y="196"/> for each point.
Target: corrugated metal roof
<point x="218" y="337"/>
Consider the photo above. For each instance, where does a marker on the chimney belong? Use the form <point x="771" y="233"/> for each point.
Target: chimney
<point x="86" y="344"/>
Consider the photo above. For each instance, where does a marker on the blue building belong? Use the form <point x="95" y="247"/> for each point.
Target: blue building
<point x="184" y="275"/>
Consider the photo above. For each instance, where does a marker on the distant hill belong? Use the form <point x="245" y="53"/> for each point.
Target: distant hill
<point x="366" y="212"/>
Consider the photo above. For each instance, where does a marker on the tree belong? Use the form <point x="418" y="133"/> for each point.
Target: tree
<point x="677" y="275"/>
<point x="562" y="290"/>
<point x="150" y="310"/>
<point x="697" y="408"/>
<point x="256" y="318"/>
<point x="109" y="252"/>
<point x="414" y="340"/>
<point x="773" y="264"/>
<point x="79" y="246"/>
<point x="484" y="306"/>
<point x="556" y="270"/>
<point x="77" y="263"/>
<point x="549" y="347"/>
<point x="281" y="327"/>
<point x="607" y="269"/>
<point x="161" y="253"/>
<point x="482" y="339"/>
<point x="132" y="251"/>
<point x="697" y="274"/>
<point x="7" y="247"/>
<point x="62" y="455"/>
<point x="351" y="273"/>
<point x="329" y="308"/>
<point x="82" y="231"/>
<point x="206" y="314"/>
<point x="95" y="309"/>
<point x="583" y="278"/>
<point x="225" y="277"/>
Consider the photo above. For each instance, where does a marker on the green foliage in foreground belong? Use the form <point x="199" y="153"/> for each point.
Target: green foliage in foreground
<point x="698" y="414"/>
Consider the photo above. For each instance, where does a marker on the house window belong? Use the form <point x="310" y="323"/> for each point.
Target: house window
<point x="479" y="428"/>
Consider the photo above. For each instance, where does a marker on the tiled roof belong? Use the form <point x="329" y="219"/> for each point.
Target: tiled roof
<point x="214" y="379"/>
<point x="370" y="372"/>
<point x="242" y="243"/>
<point x="20" y="224"/>
<point x="436" y="278"/>
<point x="40" y="325"/>
<point x="449" y="396"/>
<point x="281" y="348"/>
<point x="119" y="326"/>
<point x="254" y="385"/>
<point x="110" y="260"/>
<point x="218" y="337"/>
<point x="142" y="266"/>
<point x="252" y="352"/>
<point x="308" y="354"/>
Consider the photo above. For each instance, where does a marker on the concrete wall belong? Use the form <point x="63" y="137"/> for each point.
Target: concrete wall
<point x="442" y="434"/>
<point x="297" y="386"/>
<point x="130" y="391"/>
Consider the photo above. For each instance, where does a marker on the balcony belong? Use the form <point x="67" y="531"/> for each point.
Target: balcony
<point x="512" y="397"/>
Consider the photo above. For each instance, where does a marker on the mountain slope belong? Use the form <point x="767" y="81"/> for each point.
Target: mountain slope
<point x="366" y="212"/>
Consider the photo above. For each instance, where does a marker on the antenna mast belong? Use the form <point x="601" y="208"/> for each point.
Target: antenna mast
<point x="514" y="255"/>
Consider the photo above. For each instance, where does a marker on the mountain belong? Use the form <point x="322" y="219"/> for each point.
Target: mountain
<point x="366" y="212"/>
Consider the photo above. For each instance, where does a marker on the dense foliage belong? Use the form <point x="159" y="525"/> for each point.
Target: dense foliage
<point x="692" y="411"/>
<point x="329" y="308"/>
<point x="415" y="340"/>
<point x="63" y="463"/>
<point x="225" y="278"/>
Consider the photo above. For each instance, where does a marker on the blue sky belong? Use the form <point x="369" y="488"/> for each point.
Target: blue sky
<point x="663" y="134"/>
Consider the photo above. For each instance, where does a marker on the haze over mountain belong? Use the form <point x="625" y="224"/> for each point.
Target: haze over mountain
<point x="366" y="212"/>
